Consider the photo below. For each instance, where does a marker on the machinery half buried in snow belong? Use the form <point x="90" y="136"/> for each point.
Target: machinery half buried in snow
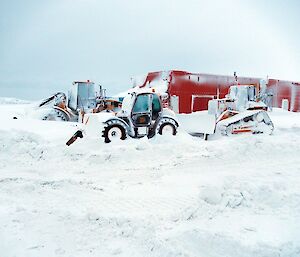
<point x="142" y="114"/>
<point x="83" y="98"/>
<point x="242" y="110"/>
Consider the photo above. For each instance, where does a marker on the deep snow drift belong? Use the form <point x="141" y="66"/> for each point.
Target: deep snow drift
<point x="168" y="196"/>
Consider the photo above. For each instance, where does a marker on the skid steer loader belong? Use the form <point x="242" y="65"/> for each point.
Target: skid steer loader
<point x="242" y="110"/>
<point x="142" y="114"/>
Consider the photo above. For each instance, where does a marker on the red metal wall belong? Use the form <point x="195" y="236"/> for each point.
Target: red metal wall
<point x="203" y="87"/>
<point x="285" y="90"/>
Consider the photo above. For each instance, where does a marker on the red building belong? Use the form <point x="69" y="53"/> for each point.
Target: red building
<point x="190" y="92"/>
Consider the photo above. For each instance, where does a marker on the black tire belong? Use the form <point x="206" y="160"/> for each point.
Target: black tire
<point x="109" y="129"/>
<point x="164" y="125"/>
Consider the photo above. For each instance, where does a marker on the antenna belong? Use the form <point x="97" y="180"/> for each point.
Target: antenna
<point x="100" y="91"/>
<point x="236" y="78"/>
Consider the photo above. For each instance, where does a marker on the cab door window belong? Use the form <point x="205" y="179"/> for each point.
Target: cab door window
<point x="156" y="106"/>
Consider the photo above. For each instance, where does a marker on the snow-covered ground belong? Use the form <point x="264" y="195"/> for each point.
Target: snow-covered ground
<point x="10" y="100"/>
<point x="168" y="196"/>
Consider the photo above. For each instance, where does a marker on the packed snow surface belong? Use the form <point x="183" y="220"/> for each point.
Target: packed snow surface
<point x="168" y="196"/>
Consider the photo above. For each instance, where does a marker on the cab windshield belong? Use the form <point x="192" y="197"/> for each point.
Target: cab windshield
<point x="142" y="104"/>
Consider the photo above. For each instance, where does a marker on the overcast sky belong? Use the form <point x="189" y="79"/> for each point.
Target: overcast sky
<point x="45" y="45"/>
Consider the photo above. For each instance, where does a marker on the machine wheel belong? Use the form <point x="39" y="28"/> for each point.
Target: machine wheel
<point x="167" y="127"/>
<point x="114" y="132"/>
<point x="56" y="115"/>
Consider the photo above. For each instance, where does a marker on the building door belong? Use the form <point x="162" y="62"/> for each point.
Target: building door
<point x="174" y="102"/>
<point x="200" y="102"/>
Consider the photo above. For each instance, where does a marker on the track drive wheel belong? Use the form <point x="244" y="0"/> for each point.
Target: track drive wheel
<point x="114" y="131"/>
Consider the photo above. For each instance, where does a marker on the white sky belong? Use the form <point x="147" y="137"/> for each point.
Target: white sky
<point x="45" y="45"/>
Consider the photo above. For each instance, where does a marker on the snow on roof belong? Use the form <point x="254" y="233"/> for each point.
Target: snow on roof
<point x="159" y="81"/>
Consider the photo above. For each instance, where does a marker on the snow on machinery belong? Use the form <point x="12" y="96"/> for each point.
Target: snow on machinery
<point x="142" y="114"/>
<point x="242" y="110"/>
<point x="83" y="97"/>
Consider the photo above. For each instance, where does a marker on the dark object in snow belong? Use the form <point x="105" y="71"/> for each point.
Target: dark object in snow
<point x="77" y="134"/>
<point x="15" y="118"/>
